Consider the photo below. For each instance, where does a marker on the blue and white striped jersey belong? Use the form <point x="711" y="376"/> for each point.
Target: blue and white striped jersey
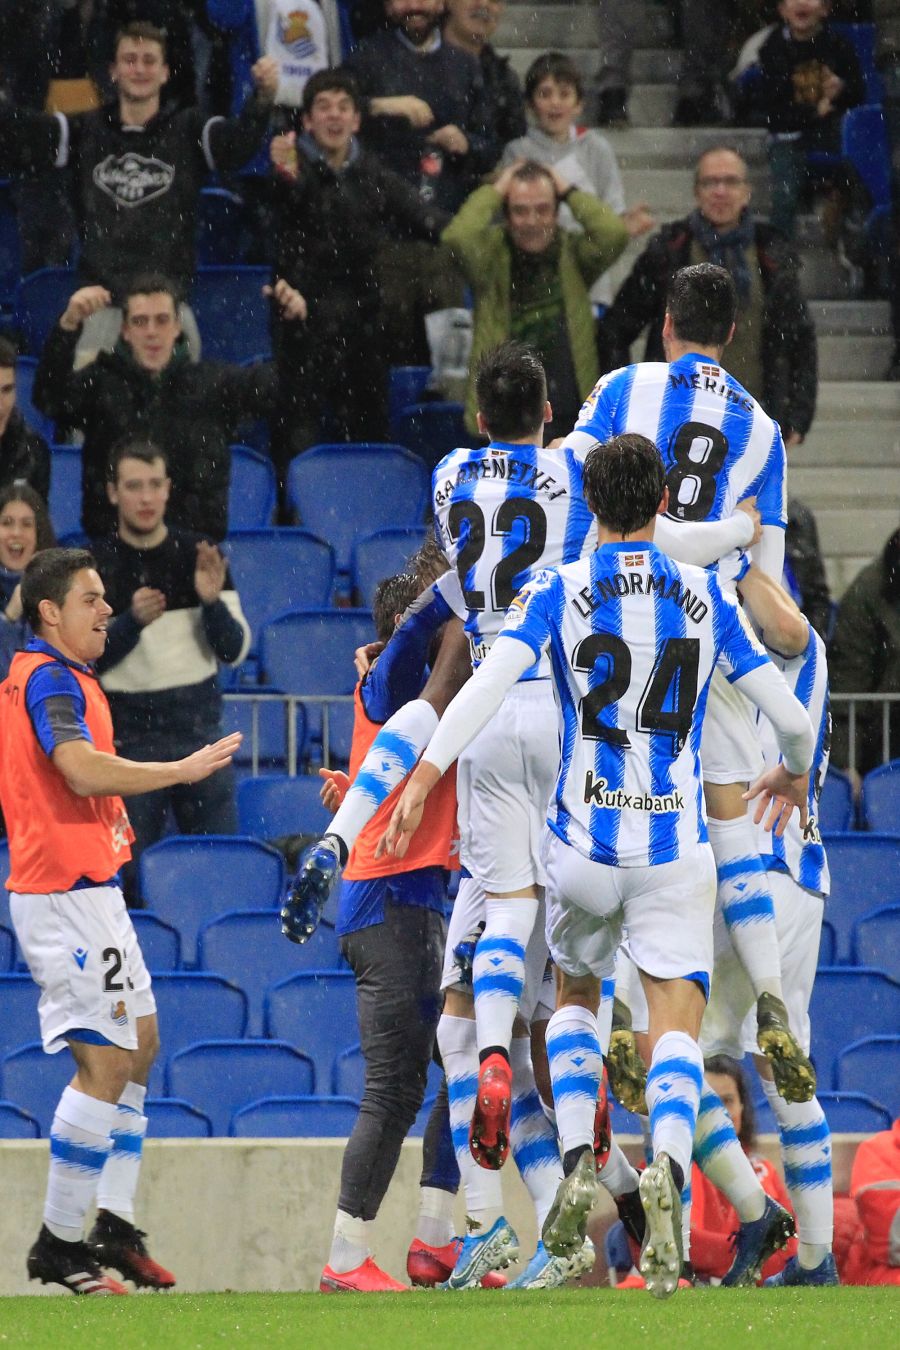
<point x="633" y="640"/>
<point x="717" y="443"/>
<point x="502" y="513"/>
<point x="801" y="853"/>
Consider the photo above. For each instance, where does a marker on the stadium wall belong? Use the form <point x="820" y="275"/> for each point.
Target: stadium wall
<point x="245" y="1214"/>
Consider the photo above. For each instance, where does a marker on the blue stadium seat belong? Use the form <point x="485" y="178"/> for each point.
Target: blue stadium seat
<point x="189" y="879"/>
<point x="849" y="1003"/>
<point x="279" y="569"/>
<point x="19" y="1020"/>
<point x="10" y="250"/>
<point x="4" y="862"/>
<point x="876" y="941"/>
<point x="349" y="1076"/>
<point x="172" y="1118"/>
<point x="270" y="721"/>
<point x="344" y="492"/>
<point x="222" y="1076"/>
<point x="194" y="1006"/>
<point x="853" y="1113"/>
<point x="65" y="488"/>
<point x="16" y="1123"/>
<point x="881" y="798"/>
<point x="872" y="1066"/>
<point x="618" y="1252"/>
<point x="255" y="431"/>
<point x="432" y="430"/>
<point x="252" y="489"/>
<point x="836" y="803"/>
<point x="40" y="299"/>
<point x="35" y="1081"/>
<point x="295" y="1117"/>
<point x="406" y="385"/>
<point x="622" y="1121"/>
<point x="865" y="144"/>
<point x="827" y="944"/>
<point x="381" y="555"/>
<point x="865" y="874"/>
<point x="316" y="1010"/>
<point x="275" y="805"/>
<point x="223" y="231"/>
<point x="232" y="313"/>
<point x="160" y="943"/>
<point x="7" y="948"/>
<point x="248" y="948"/>
<point x="863" y="37"/>
<point x="38" y="421"/>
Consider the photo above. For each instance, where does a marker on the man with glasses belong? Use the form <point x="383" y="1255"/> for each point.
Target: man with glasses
<point x="773" y="352"/>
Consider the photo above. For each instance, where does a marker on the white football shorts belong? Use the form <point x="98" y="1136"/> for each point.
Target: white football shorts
<point x="729" y="746"/>
<point x="466" y="915"/>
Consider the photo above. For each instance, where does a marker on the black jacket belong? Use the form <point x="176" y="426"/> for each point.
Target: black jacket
<point x="190" y="411"/>
<point x="790" y="75"/>
<point x="789" y="357"/>
<point x="505" y="92"/>
<point x="803" y="555"/>
<point x="24" y="456"/>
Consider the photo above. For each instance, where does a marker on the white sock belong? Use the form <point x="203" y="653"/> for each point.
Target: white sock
<point x="459" y="1054"/>
<point x="605" y="1012"/>
<point x="532" y="1138"/>
<point x="576" y="1068"/>
<point x="617" y="1173"/>
<point x="119" y="1178"/>
<point x="746" y="902"/>
<point x="392" y="755"/>
<point x="718" y="1153"/>
<point x="80" y="1144"/>
<point x="673" y="1095"/>
<point x="806" y="1154"/>
<point x="349" y="1245"/>
<point x="435" y="1223"/>
<point x="498" y="971"/>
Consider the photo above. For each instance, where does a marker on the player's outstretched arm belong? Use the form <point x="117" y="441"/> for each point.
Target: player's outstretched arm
<point x="93" y="773"/>
<point x="781" y="625"/>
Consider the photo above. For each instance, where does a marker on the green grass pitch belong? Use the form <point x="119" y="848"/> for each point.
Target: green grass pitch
<point x="793" y="1319"/>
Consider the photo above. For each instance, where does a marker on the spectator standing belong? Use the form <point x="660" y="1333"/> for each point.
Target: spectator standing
<point x="24" y="454"/>
<point x="175" y="18"/>
<point x="470" y="25"/>
<point x="773" y="352"/>
<point x="177" y="617"/>
<point x="148" y="386"/>
<point x="25" y="529"/>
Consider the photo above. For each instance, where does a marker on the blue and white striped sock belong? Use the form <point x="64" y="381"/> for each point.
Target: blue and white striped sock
<point x="718" y="1153"/>
<point x="673" y="1096"/>
<point x="498" y="971"/>
<point x="483" y="1189"/>
<point x="119" y="1178"/>
<point x="80" y="1144"/>
<point x="686" y="1202"/>
<point x="605" y="1011"/>
<point x="746" y="903"/>
<point x="532" y="1138"/>
<point x="576" y="1067"/>
<point x="392" y="755"/>
<point x="806" y="1154"/>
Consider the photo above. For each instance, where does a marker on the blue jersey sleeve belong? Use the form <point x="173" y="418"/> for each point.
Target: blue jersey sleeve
<point x="739" y="649"/>
<point x="529" y="616"/>
<point x="399" y="672"/>
<point x="770" y="486"/>
<point x="55" y="704"/>
<point x="598" y="413"/>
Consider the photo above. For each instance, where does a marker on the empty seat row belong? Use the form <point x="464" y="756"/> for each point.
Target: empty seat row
<point x="879" y="805"/>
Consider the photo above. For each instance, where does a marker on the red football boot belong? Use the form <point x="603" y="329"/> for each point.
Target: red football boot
<point x="117" y="1243"/>
<point x="489" y="1131"/>
<point x="430" y="1266"/>
<point x="71" y="1264"/>
<point x="365" y="1279"/>
<point x="602" y="1128"/>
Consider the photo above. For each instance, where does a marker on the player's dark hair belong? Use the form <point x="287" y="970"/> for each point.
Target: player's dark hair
<point x="391" y="598"/>
<point x="23" y="492"/>
<point x="702" y="301"/>
<point x="331" y="82"/>
<point x="150" y="283"/>
<point x="49" y="577"/>
<point x="556" y="66"/>
<point x="141" y="31"/>
<point x="624" y="480"/>
<point x="511" y="391"/>
<point x="730" y="1068"/>
<point x="428" y="562"/>
<point x="8" y="355"/>
<point x="134" y="447"/>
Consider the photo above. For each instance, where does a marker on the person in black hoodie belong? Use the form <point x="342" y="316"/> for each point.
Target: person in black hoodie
<point x="24" y="455"/>
<point x="136" y="166"/>
<point x="148" y="386"/>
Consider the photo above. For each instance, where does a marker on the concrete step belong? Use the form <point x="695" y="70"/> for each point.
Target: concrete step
<point x="841" y="571"/>
<point x="841" y="318"/>
<point x="848" y="531"/>
<point x="655" y="65"/>
<point x="824" y="277"/>
<point x="855" y="357"/>
<point x="544" y="26"/>
<point x="679" y="147"/>
<point x="845" y="445"/>
<point x="856" y="486"/>
<point x="852" y="401"/>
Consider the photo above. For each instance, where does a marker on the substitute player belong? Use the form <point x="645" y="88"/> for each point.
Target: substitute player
<point x="633" y="639"/>
<point x="60" y="790"/>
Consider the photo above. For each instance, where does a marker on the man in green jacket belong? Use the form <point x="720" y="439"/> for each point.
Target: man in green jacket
<point x="531" y="279"/>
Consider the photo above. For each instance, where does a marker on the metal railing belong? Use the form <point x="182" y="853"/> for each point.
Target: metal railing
<point x="853" y="701"/>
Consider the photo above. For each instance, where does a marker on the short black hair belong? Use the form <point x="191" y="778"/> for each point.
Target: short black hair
<point x="150" y="283"/>
<point x="134" y="447"/>
<point x="731" y="1068"/>
<point x="702" y="301"/>
<point x="8" y="355"/>
<point x="141" y="31"/>
<point x="331" y="81"/>
<point x="624" y="481"/>
<point x="392" y="596"/>
<point x="556" y="66"/>
<point x="511" y="390"/>
<point x="49" y="577"/>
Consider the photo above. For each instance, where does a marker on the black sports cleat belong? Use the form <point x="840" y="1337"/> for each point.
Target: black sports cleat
<point x="634" y="1220"/>
<point x="71" y="1264"/>
<point x="754" y="1242"/>
<point x="117" y="1243"/>
<point x="307" y="895"/>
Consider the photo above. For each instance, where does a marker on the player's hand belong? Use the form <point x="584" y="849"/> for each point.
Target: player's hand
<point x="792" y="439"/>
<point x="283" y="154"/>
<point x="265" y="75"/>
<point x="334" y="789"/>
<point x="147" y="604"/>
<point x="407" y="815"/>
<point x="416" y="111"/>
<point x="779" y="791"/>
<point x="832" y="85"/>
<point x="638" y="220"/>
<point x="288" y="299"/>
<point x="364" y="656"/>
<point x="82" y="305"/>
<point x="451" y="139"/>
<point x="209" y="574"/>
<point x="209" y="760"/>
<point x="748" y="506"/>
<point x="13" y="611"/>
